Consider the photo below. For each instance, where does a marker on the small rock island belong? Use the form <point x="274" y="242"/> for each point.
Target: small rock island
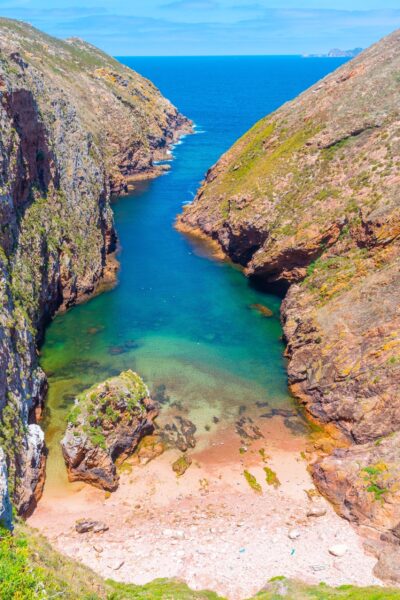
<point x="105" y="425"/>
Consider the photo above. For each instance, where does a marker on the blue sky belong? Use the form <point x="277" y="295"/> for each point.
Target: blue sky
<point x="186" y="27"/>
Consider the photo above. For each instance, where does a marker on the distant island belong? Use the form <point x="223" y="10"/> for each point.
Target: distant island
<point x="337" y="53"/>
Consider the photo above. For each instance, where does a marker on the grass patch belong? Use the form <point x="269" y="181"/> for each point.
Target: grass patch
<point x="374" y="476"/>
<point x="271" y="477"/>
<point x="252" y="481"/>
<point x="31" y="569"/>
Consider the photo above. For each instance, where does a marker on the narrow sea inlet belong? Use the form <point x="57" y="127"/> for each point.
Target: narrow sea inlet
<point x="184" y="322"/>
<point x="219" y="518"/>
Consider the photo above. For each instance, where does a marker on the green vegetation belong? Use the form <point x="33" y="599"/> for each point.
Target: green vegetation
<point x="374" y="476"/>
<point x="280" y="587"/>
<point x="252" y="481"/>
<point x="114" y="400"/>
<point x="253" y="143"/>
<point x="271" y="477"/>
<point x="329" y="276"/>
<point x="17" y="578"/>
<point x="31" y="569"/>
<point x="258" y="157"/>
<point x="330" y="152"/>
<point x="181" y="465"/>
<point x="12" y="434"/>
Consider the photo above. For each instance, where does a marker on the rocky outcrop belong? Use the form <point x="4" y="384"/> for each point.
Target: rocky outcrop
<point x="75" y="126"/>
<point x="308" y="201"/>
<point x="105" y="426"/>
<point x="363" y="483"/>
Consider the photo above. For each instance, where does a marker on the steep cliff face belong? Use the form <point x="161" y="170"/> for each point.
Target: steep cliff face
<point x="75" y="125"/>
<point x="309" y="199"/>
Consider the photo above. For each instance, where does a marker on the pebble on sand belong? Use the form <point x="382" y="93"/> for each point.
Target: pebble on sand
<point x="294" y="534"/>
<point x="338" y="550"/>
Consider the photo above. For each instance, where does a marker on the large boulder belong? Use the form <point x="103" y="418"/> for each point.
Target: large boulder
<point x="363" y="483"/>
<point x="106" y="425"/>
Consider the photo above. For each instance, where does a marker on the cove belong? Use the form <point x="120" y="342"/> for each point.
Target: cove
<point x="182" y="321"/>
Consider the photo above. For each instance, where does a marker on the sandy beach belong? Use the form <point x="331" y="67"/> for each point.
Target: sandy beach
<point x="209" y="527"/>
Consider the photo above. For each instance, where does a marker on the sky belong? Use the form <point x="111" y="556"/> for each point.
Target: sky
<point x="212" y="27"/>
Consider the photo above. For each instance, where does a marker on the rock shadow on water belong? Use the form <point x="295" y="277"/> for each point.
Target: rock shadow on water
<point x="159" y="394"/>
<point x="297" y="425"/>
<point x="123" y="348"/>
<point x="77" y="366"/>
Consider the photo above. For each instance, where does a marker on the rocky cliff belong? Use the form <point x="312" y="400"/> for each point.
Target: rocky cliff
<point x="75" y="126"/>
<point x="308" y="201"/>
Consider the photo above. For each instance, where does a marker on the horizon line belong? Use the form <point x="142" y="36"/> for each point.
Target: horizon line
<point x="311" y="55"/>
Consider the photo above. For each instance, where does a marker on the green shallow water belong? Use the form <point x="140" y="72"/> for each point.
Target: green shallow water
<point x="177" y="317"/>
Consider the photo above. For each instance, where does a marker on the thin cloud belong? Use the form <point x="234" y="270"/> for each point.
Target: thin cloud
<point x="247" y="7"/>
<point x="191" y="5"/>
<point x="273" y="31"/>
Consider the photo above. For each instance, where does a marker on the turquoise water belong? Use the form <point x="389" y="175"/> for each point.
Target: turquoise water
<point x="178" y="318"/>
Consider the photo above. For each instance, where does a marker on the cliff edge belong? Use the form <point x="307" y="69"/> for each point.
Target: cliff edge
<point x="308" y="200"/>
<point x="76" y="126"/>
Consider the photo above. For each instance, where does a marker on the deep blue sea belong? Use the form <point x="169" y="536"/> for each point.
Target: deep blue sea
<point x="179" y="318"/>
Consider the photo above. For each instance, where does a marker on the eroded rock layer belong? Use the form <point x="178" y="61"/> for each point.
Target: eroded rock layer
<point x="75" y="126"/>
<point x="308" y="200"/>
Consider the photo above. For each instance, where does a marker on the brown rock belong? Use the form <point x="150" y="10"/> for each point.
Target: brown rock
<point x="263" y="310"/>
<point x="149" y="448"/>
<point x="247" y="429"/>
<point x="107" y="423"/>
<point x="179" y="434"/>
<point x="86" y="525"/>
<point x="181" y="465"/>
<point x="362" y="482"/>
<point x="388" y="566"/>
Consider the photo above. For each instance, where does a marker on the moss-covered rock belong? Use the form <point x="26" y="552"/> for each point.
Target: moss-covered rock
<point x="252" y="481"/>
<point x="181" y="465"/>
<point x="105" y="426"/>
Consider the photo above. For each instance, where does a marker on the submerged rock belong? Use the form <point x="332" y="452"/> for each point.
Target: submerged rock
<point x="159" y="393"/>
<point x="263" y="310"/>
<point x="180" y="434"/>
<point x="106" y="424"/>
<point x="247" y="429"/>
